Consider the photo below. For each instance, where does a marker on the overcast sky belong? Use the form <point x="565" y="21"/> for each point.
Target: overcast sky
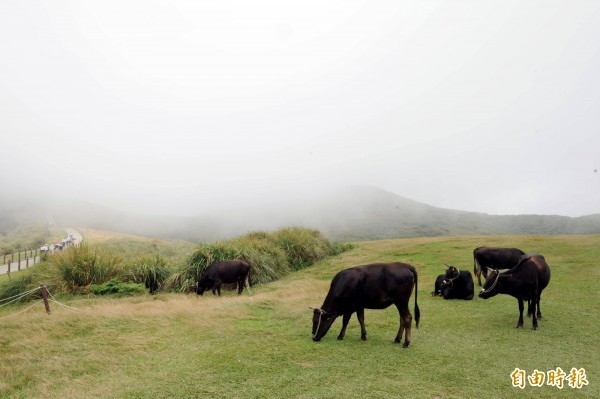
<point x="180" y="106"/>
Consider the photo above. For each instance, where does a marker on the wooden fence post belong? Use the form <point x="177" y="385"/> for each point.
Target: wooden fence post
<point x="19" y="263"/>
<point x="8" y="271"/>
<point x="45" y="297"/>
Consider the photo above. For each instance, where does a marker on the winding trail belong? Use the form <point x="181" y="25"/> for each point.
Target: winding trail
<point x="16" y="266"/>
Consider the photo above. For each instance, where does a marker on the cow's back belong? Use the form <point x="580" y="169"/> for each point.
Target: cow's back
<point x="375" y="286"/>
<point x="542" y="268"/>
<point x="501" y="258"/>
<point x="227" y="271"/>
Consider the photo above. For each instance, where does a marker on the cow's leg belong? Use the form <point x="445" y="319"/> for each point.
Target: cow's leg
<point x="216" y="288"/>
<point x="533" y="316"/>
<point x="478" y="274"/>
<point x="240" y="286"/>
<point x="521" y="307"/>
<point x="360" y="314"/>
<point x="401" y="327"/>
<point x="345" y="321"/>
<point x="405" y="324"/>
<point x="539" y="312"/>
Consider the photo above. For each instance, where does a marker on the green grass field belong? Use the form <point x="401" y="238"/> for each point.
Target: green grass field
<point x="259" y="346"/>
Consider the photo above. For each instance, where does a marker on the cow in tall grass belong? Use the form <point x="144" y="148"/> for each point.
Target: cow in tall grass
<point x="525" y="281"/>
<point x="224" y="272"/>
<point x="374" y="286"/>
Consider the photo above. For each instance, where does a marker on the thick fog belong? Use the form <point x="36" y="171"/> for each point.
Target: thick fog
<point x="182" y="107"/>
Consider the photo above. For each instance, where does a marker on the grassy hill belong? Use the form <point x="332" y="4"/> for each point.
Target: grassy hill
<point x="259" y="346"/>
<point x="356" y="213"/>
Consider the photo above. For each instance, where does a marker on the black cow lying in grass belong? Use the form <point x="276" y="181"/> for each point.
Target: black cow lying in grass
<point x="525" y="281"/>
<point x="375" y="286"/>
<point x="438" y="285"/>
<point x="224" y="272"/>
<point x="457" y="284"/>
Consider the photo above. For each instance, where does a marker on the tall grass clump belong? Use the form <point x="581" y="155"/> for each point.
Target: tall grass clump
<point x="271" y="255"/>
<point x="150" y="271"/>
<point x="78" y="267"/>
<point x="204" y="255"/>
<point x="268" y="261"/>
<point x="303" y="246"/>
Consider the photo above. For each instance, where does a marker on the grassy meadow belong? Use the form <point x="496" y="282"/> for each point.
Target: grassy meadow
<point x="259" y="345"/>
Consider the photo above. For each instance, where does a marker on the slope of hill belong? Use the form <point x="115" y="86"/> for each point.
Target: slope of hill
<point x="356" y="213"/>
<point x="259" y="345"/>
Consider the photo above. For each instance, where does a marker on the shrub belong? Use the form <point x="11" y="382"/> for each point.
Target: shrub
<point x="78" y="267"/>
<point x="152" y="272"/>
<point x="206" y="254"/>
<point x="268" y="261"/>
<point x="303" y="246"/>
<point x="271" y="255"/>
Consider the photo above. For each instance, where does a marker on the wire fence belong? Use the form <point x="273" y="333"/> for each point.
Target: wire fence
<point x="47" y="297"/>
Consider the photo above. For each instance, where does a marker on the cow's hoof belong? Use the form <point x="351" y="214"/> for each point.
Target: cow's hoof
<point x="363" y="337"/>
<point x="397" y="340"/>
<point x="405" y="345"/>
<point x="519" y="325"/>
<point x="340" y="337"/>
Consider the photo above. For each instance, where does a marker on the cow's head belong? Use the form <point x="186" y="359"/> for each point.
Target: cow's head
<point x="445" y="284"/>
<point x="321" y="323"/>
<point x="202" y="285"/>
<point x="452" y="272"/>
<point x="490" y="288"/>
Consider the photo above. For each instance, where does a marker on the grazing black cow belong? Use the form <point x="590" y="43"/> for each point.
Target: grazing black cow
<point x="224" y="272"/>
<point x="458" y="284"/>
<point x="494" y="258"/>
<point x="525" y="281"/>
<point x="439" y="283"/>
<point x="374" y="286"/>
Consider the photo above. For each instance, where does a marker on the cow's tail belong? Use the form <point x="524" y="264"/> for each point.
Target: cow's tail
<point x="475" y="261"/>
<point x="416" y="310"/>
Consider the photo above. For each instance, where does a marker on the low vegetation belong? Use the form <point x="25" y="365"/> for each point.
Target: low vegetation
<point x="160" y="265"/>
<point x="272" y="255"/>
<point x="172" y="345"/>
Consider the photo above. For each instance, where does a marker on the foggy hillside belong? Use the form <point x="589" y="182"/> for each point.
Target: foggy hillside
<point x="357" y="213"/>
